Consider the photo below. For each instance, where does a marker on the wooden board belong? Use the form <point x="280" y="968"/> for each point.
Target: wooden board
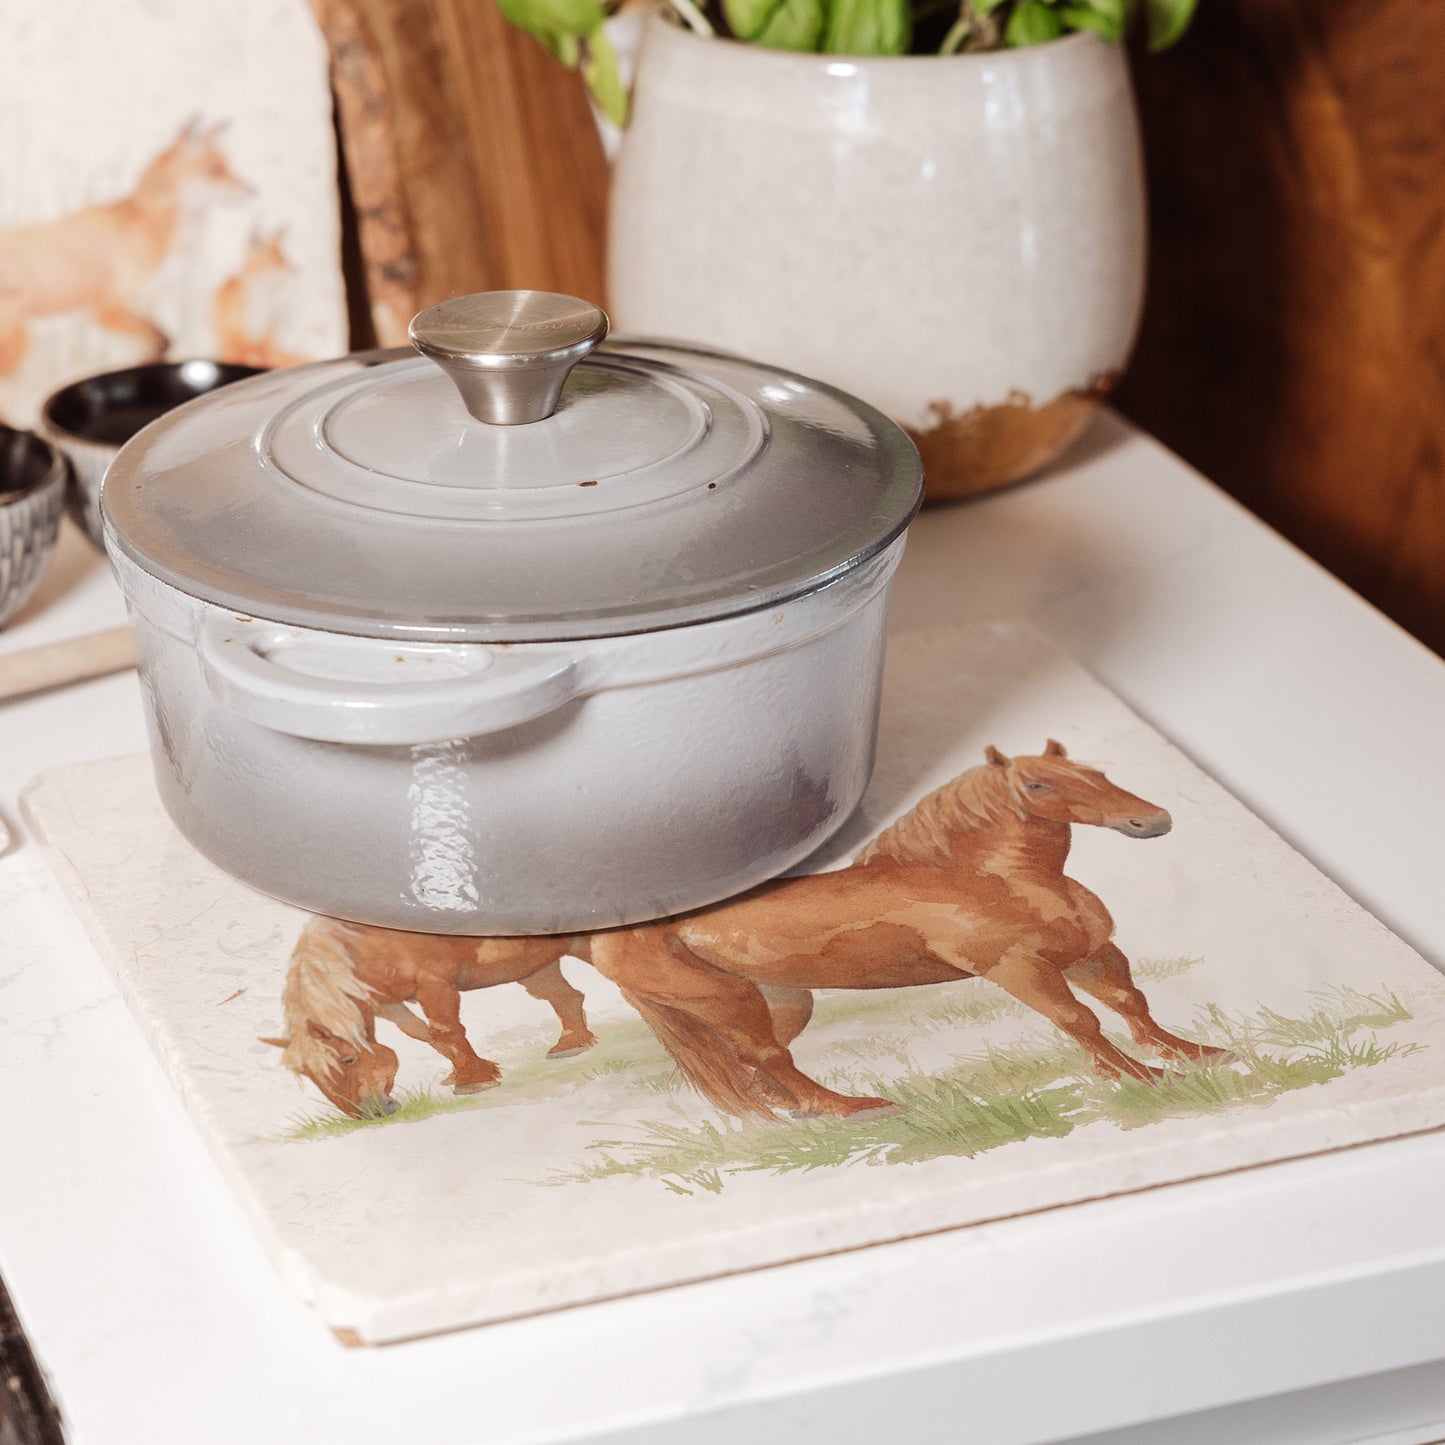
<point x="472" y="157"/>
<point x="1292" y="341"/>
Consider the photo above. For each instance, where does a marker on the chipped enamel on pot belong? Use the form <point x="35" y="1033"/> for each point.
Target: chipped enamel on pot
<point x="958" y="239"/>
<point x="581" y="713"/>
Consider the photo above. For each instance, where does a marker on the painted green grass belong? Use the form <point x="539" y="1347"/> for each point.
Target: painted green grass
<point x="1150" y="970"/>
<point x="1037" y="1087"/>
<point x="1000" y="1095"/>
<point x="626" y="1049"/>
<point x="411" y="1105"/>
<point x="1274" y="1054"/>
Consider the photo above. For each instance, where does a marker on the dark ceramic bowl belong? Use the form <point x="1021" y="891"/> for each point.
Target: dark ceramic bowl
<point x="91" y="419"/>
<point x="32" y="492"/>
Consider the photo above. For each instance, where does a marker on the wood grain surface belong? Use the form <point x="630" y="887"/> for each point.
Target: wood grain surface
<point x="1294" y="339"/>
<point x="471" y="157"/>
<point x="58" y="664"/>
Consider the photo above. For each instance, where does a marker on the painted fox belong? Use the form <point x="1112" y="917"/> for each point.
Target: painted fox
<point x="248" y="306"/>
<point x="105" y="259"/>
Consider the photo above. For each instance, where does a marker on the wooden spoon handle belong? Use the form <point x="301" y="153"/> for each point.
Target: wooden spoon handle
<point x="58" y="663"/>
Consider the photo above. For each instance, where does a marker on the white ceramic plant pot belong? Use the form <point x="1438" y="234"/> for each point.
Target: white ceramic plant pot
<point x="958" y="240"/>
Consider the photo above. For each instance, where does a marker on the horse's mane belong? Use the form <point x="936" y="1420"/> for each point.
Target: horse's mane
<point x="979" y="798"/>
<point x="321" y="987"/>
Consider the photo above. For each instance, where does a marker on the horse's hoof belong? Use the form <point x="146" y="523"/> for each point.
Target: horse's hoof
<point x="475" y="1088"/>
<point x="883" y="1109"/>
<point x="854" y="1109"/>
<point x="561" y="1053"/>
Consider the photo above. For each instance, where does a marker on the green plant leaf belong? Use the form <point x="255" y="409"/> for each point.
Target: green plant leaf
<point x="868" y="27"/>
<point x="599" y="70"/>
<point x="956" y="37"/>
<point x="1167" y="20"/>
<point x="550" y="19"/>
<point x="985" y="7"/>
<point x="746" y="17"/>
<point x="795" y="25"/>
<point x="778" y="24"/>
<point x="559" y="24"/>
<point x="1081" y="17"/>
<point x="1032" y="23"/>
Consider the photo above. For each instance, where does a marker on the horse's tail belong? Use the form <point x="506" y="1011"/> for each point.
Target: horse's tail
<point x="707" y="1060"/>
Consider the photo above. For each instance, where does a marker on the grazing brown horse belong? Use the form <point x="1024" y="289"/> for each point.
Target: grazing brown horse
<point x="970" y="882"/>
<point x="343" y="976"/>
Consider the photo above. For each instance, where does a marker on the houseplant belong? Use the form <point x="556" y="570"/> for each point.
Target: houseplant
<point x="937" y="206"/>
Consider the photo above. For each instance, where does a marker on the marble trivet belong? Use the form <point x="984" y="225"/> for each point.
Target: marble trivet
<point x="602" y="1172"/>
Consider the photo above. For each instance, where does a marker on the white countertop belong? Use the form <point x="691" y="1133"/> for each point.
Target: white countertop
<point x="150" y="1304"/>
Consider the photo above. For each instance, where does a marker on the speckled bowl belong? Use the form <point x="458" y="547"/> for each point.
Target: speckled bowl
<point x="32" y="493"/>
<point x="91" y="419"/>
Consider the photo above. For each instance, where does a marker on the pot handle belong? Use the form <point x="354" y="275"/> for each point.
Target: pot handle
<point x="513" y="687"/>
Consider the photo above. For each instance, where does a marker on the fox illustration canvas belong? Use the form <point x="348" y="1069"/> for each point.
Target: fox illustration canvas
<point x="1046" y="959"/>
<point x="154" y="212"/>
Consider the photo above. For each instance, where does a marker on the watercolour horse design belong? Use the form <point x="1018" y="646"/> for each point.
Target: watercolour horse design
<point x="344" y="976"/>
<point x="971" y="882"/>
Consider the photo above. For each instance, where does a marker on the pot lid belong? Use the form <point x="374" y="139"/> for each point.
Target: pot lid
<point x="512" y="483"/>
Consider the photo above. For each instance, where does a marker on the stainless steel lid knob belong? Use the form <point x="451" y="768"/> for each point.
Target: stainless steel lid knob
<point x="509" y="352"/>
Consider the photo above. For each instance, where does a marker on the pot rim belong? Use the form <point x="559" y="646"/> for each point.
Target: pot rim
<point x="883" y="562"/>
<point x="285" y="677"/>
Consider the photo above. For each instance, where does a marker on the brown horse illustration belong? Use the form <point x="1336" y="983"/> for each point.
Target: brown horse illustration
<point x="106" y="259"/>
<point x="343" y="976"/>
<point x="970" y="882"/>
